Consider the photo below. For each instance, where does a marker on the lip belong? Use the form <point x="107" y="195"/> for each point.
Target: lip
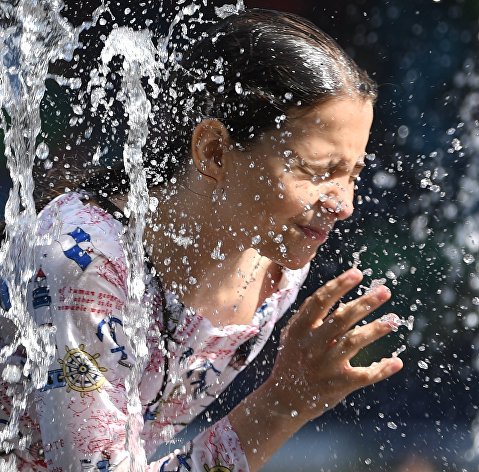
<point x="314" y="233"/>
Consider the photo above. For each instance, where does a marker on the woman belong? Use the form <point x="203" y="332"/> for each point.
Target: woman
<point x="267" y="134"/>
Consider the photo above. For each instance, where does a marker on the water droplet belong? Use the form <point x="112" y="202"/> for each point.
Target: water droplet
<point x="475" y="301"/>
<point x="77" y="109"/>
<point x="12" y="373"/>
<point x="294" y="413"/>
<point x="255" y="240"/>
<point x="392" y="425"/>
<point x="216" y="254"/>
<point x="376" y="283"/>
<point x="468" y="258"/>
<point x="399" y="350"/>
<point x="367" y="461"/>
<point x="42" y="151"/>
<point x="278" y="238"/>
<point x="47" y="164"/>
<point x="218" y="79"/>
<point x="422" y="365"/>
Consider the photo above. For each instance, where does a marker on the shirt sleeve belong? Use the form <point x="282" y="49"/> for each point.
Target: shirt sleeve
<point x="216" y="449"/>
<point x="82" y="409"/>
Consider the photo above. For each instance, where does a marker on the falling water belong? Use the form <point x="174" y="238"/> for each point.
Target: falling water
<point x="33" y="34"/>
<point x="139" y="61"/>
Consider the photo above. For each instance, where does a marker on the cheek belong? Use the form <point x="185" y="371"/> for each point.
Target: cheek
<point x="295" y="196"/>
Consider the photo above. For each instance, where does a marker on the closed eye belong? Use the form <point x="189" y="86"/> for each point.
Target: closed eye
<point x="357" y="170"/>
<point x="334" y="167"/>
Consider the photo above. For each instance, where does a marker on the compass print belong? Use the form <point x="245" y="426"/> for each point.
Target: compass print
<point x="218" y="468"/>
<point x="81" y="370"/>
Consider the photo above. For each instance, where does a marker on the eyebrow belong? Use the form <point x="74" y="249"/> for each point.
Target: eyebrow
<point x="340" y="162"/>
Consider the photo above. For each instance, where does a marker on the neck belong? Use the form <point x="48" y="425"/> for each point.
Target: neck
<point x="201" y="262"/>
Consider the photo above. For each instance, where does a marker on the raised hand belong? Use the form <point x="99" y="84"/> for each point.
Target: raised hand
<point x="312" y="372"/>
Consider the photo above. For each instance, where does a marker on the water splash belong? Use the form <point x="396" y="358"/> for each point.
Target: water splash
<point x="227" y="10"/>
<point x="395" y="321"/>
<point x="32" y="35"/>
<point x="140" y="60"/>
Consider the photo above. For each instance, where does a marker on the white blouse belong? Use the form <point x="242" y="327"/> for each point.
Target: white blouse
<point x="77" y="420"/>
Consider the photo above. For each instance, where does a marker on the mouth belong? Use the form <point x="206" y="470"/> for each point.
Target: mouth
<point x="316" y="234"/>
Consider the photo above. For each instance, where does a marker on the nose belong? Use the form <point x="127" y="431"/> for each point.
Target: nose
<point x="337" y="200"/>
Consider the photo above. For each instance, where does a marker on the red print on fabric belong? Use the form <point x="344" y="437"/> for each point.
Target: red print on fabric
<point x="104" y="430"/>
<point x="114" y="272"/>
<point x="80" y="405"/>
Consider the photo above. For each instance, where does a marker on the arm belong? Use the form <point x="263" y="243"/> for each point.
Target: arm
<point x="83" y="406"/>
<point x="312" y="372"/>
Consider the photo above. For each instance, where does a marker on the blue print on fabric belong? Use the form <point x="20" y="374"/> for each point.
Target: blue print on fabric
<point x="182" y="460"/>
<point x="110" y="322"/>
<point x="4" y="296"/>
<point x="41" y="292"/>
<point x="41" y="297"/>
<point x="56" y="379"/>
<point x="76" y="253"/>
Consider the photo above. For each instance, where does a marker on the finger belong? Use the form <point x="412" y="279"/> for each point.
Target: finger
<point x="361" y="336"/>
<point x="316" y="307"/>
<point x="377" y="371"/>
<point x="346" y="316"/>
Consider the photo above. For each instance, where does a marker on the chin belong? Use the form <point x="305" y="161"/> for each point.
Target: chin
<point x="295" y="261"/>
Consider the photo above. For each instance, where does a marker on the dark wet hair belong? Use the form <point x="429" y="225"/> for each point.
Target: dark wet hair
<point x="249" y="71"/>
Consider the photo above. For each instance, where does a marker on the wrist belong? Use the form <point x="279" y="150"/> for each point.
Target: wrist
<point x="283" y="403"/>
<point x="263" y="422"/>
<point x="289" y="402"/>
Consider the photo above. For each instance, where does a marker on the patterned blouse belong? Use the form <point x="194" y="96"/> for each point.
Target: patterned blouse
<point x="76" y="422"/>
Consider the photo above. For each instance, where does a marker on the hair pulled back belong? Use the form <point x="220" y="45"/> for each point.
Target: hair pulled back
<point x="248" y="71"/>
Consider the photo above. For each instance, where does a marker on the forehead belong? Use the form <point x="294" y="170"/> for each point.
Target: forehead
<point x="341" y="115"/>
<point x="338" y="126"/>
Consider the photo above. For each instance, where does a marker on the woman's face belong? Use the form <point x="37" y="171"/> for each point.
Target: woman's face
<point x="284" y="195"/>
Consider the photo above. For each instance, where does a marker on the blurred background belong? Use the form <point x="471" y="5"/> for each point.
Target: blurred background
<point x="416" y="225"/>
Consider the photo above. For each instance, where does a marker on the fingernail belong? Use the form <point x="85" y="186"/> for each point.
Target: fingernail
<point x="355" y="274"/>
<point x="381" y="291"/>
<point x="396" y="365"/>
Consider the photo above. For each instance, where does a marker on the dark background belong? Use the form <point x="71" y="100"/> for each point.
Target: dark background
<point x="416" y="51"/>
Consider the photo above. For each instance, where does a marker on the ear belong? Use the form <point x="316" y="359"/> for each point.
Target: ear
<point x="209" y="143"/>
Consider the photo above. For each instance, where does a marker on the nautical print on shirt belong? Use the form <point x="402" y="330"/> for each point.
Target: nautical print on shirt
<point x="77" y="420"/>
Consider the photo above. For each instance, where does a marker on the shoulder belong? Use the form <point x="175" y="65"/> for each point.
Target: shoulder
<point x="76" y="236"/>
<point x="70" y="216"/>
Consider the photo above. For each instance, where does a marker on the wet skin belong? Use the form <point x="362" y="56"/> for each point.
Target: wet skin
<point x="297" y="181"/>
<point x="268" y="206"/>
